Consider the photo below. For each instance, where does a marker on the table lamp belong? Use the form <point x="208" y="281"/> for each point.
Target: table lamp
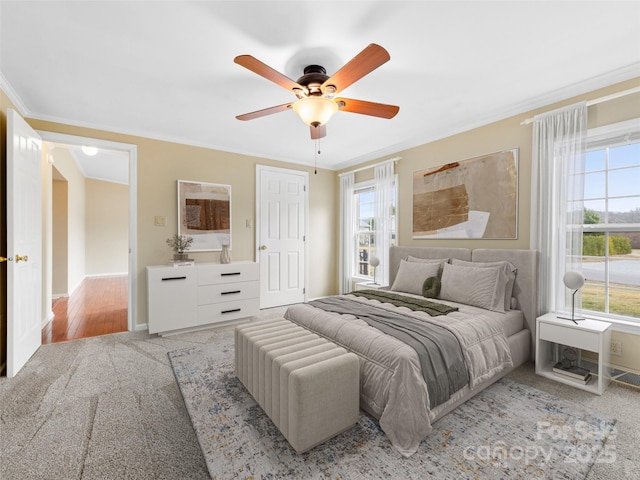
<point x="574" y="281"/>
<point x="374" y="262"/>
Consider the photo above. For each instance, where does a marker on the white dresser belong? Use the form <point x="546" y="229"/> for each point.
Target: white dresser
<point x="181" y="298"/>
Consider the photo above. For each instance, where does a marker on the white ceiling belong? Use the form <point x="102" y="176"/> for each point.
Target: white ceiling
<point x="109" y="165"/>
<point x="165" y="69"/>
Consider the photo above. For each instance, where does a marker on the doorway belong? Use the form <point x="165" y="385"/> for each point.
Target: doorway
<point x="90" y="213"/>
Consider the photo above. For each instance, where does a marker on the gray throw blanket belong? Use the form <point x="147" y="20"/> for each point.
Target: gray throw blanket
<point x="441" y="358"/>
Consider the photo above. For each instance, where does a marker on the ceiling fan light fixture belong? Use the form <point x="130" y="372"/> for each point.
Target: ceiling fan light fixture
<point x="315" y="110"/>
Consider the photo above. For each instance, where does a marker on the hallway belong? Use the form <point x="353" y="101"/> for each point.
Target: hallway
<point x="97" y="307"/>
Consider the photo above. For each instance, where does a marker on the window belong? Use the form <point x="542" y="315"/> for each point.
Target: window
<point x="610" y="257"/>
<point x="365" y="231"/>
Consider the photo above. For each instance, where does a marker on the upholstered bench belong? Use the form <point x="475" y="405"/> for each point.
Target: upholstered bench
<point x="307" y="385"/>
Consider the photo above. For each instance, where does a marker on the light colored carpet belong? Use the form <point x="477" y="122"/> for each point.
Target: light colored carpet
<point x="109" y="407"/>
<point x="508" y="430"/>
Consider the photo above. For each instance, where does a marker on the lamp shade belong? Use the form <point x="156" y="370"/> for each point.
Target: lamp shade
<point x="315" y="110"/>
<point x="374" y="261"/>
<point x="573" y="280"/>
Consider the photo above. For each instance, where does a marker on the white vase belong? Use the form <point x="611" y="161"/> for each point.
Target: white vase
<point x="225" y="256"/>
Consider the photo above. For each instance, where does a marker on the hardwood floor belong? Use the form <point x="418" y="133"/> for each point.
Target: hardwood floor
<point x="97" y="307"/>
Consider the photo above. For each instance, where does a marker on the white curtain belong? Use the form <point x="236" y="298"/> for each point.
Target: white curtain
<point x="557" y="184"/>
<point x="384" y="178"/>
<point x="347" y="231"/>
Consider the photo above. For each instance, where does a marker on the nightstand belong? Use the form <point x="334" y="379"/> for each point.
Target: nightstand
<point x="369" y="286"/>
<point x="591" y="335"/>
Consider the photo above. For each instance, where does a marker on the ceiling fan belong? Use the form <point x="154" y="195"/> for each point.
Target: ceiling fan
<point x="316" y="91"/>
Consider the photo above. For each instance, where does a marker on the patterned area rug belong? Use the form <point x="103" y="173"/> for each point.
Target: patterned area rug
<point x="509" y="430"/>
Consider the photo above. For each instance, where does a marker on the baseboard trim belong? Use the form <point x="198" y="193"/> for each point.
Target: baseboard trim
<point x="98" y="275"/>
<point x="140" y="327"/>
<point x="48" y="320"/>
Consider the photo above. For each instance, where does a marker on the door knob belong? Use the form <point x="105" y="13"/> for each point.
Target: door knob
<point x="263" y="247"/>
<point x="4" y="259"/>
<point x="22" y="258"/>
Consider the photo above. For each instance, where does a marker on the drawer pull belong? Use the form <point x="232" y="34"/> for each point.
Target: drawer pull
<point x="230" y="311"/>
<point x="229" y="274"/>
<point x="174" y="278"/>
<point x="229" y="293"/>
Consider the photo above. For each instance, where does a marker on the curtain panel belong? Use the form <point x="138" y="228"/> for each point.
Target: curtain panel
<point x="347" y="231"/>
<point x="557" y="176"/>
<point x="384" y="177"/>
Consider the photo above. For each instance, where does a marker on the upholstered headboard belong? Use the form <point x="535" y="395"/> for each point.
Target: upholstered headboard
<point x="398" y="253"/>
<point x="525" y="289"/>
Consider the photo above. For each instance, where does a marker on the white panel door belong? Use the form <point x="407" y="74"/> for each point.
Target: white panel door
<point x="24" y="242"/>
<point x="282" y="204"/>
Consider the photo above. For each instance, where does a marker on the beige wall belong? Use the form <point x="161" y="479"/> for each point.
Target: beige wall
<point x="107" y="227"/>
<point x="161" y="163"/>
<point x="60" y="238"/>
<point x="495" y="137"/>
<point x="76" y="201"/>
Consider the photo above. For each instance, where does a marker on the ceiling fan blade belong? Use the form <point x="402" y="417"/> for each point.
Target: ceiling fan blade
<point x="264" y="112"/>
<point x="264" y="70"/>
<point x="367" y="108"/>
<point x="365" y="62"/>
<point x="318" y="132"/>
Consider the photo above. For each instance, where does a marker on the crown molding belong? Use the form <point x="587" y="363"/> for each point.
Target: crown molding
<point x="521" y="108"/>
<point x="13" y="96"/>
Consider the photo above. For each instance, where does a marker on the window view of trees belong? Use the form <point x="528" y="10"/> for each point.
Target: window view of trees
<point x="611" y="237"/>
<point x="593" y="243"/>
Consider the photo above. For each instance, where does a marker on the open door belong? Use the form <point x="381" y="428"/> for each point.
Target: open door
<point x="24" y="242"/>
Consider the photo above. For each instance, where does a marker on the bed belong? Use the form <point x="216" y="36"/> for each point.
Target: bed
<point x="493" y="295"/>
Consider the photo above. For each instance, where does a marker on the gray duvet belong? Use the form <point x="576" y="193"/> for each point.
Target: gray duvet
<point x="441" y="360"/>
<point x="392" y="386"/>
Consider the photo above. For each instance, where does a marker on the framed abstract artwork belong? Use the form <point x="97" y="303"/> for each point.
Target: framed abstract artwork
<point x="474" y="198"/>
<point x="204" y="213"/>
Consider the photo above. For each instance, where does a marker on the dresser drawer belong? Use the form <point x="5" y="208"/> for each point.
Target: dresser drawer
<point x="223" y="311"/>
<point x="226" y="273"/>
<point x="572" y="337"/>
<point x="227" y="292"/>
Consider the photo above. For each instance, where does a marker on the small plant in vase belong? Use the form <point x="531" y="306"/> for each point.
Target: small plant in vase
<point x="180" y="244"/>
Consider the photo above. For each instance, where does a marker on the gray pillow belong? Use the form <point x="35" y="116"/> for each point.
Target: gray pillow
<point x="477" y="286"/>
<point x="508" y="269"/>
<point x="411" y="276"/>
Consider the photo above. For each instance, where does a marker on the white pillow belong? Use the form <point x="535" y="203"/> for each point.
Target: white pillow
<point x="441" y="261"/>
<point x="409" y="258"/>
<point x="508" y="269"/>
<point x="411" y="276"/>
<point x="478" y="286"/>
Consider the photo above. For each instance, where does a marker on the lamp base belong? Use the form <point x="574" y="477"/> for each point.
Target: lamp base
<point x="573" y="319"/>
